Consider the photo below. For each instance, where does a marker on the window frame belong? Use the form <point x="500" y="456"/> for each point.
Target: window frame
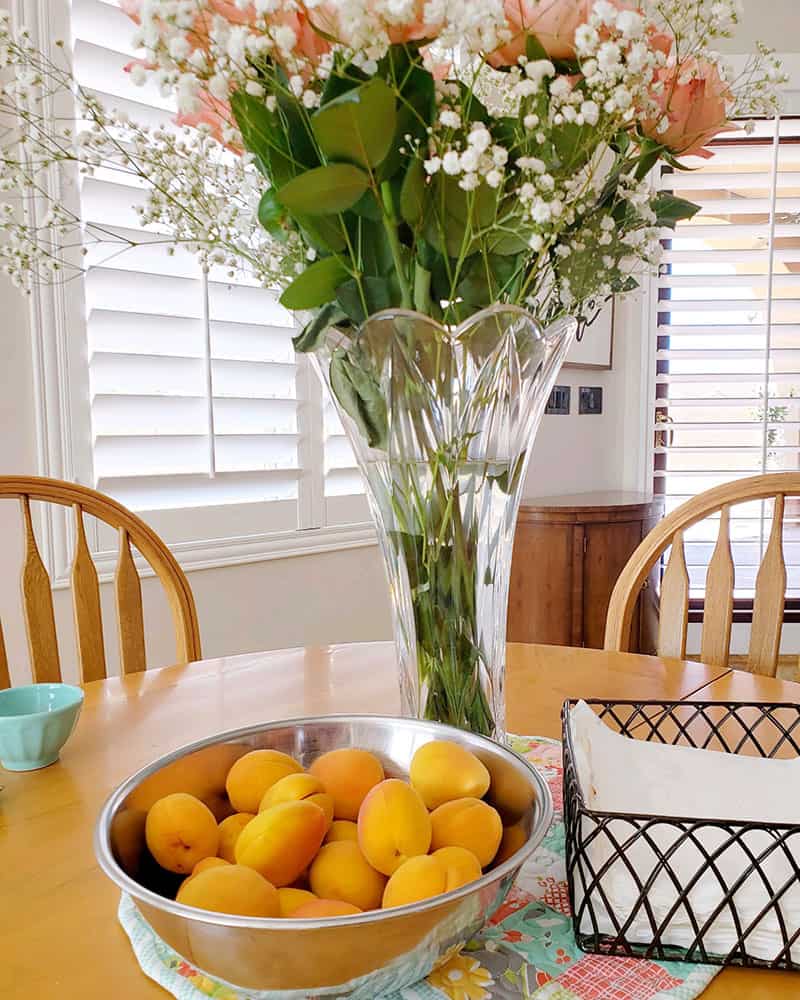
<point x="61" y="400"/>
<point x="743" y="607"/>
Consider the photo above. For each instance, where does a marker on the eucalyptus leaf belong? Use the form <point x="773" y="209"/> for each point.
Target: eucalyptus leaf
<point x="534" y="50"/>
<point x="324" y="190"/>
<point x="368" y="207"/>
<point x="316" y="285"/>
<point x="377" y="294"/>
<point x="323" y="232"/>
<point x="310" y="337"/>
<point x="413" y="193"/>
<point x="272" y="215"/>
<point x="359" y="394"/>
<point x="670" y="210"/>
<point x="358" y="125"/>
<point x="263" y="136"/>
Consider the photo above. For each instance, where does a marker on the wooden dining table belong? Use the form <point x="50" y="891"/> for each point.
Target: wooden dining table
<point x="59" y="934"/>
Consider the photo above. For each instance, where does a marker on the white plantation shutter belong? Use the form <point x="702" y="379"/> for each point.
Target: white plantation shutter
<point x="197" y="398"/>
<point x="728" y="341"/>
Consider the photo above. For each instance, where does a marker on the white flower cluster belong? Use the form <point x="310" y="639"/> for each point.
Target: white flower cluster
<point x="192" y="192"/>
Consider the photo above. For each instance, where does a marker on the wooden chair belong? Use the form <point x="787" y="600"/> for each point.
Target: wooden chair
<point x="37" y="598"/>
<point x="770" y="591"/>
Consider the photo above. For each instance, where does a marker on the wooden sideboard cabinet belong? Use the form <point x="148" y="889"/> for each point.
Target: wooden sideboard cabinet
<point x="568" y="553"/>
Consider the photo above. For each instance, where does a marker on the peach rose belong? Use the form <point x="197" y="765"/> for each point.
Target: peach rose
<point x="554" y="22"/>
<point x="695" y="100"/>
<point x="216" y="114"/>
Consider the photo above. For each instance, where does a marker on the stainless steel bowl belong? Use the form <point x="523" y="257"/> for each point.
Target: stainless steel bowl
<point x="359" y="957"/>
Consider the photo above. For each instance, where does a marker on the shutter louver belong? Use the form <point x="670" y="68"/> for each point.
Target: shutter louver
<point x="192" y="378"/>
<point x="728" y="341"/>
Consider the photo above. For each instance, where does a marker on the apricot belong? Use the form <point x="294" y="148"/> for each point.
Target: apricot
<point x="340" y="871"/>
<point x="180" y="830"/>
<point x="442" y="771"/>
<point x="289" y="899"/>
<point x="296" y="788"/>
<point x="253" y="774"/>
<point x="231" y="889"/>
<point x="207" y="863"/>
<point x="393" y="826"/>
<point x="229" y="830"/>
<point x="280" y="842"/>
<point x="460" y="866"/>
<point x="348" y="775"/>
<point x="416" y="879"/>
<point x="513" y="838"/>
<point x="342" y="829"/>
<point x="469" y="823"/>
<point x="316" y="908"/>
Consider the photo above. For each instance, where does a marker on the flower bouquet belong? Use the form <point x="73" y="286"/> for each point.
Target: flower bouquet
<point x="448" y="191"/>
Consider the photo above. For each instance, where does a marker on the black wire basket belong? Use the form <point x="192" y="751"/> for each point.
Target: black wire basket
<point x="725" y="856"/>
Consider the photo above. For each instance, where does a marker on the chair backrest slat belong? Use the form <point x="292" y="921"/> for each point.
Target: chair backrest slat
<point x="37" y="597"/>
<point x="718" y="611"/>
<point x="130" y="618"/>
<point x="770" y="600"/>
<point x="674" y="613"/>
<point x="86" y="605"/>
<point x="37" y="604"/>
<point x="770" y="591"/>
<point x="5" y="676"/>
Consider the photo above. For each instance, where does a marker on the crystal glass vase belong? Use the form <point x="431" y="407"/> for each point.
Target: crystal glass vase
<point x="442" y="423"/>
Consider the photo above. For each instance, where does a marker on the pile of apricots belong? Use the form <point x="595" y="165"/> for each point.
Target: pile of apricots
<point x="338" y="839"/>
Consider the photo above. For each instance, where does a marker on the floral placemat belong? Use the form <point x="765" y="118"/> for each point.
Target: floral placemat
<point x="526" y="952"/>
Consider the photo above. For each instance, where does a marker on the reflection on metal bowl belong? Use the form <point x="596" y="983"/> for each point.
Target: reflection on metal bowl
<point x="359" y="957"/>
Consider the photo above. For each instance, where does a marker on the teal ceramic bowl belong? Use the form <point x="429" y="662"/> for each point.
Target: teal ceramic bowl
<point x="35" y="722"/>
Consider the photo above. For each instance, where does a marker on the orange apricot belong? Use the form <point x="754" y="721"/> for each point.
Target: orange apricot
<point x="229" y="830"/>
<point x="340" y="871"/>
<point x="296" y="788"/>
<point x="468" y="823"/>
<point x="342" y="829"/>
<point x="393" y="825"/>
<point x="416" y="879"/>
<point x="253" y="774"/>
<point x="231" y="889"/>
<point x="442" y="771"/>
<point x="289" y="899"/>
<point x="180" y="830"/>
<point x="348" y="774"/>
<point x="280" y="842"/>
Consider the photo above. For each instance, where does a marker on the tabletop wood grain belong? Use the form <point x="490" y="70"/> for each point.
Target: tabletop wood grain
<point x="59" y="935"/>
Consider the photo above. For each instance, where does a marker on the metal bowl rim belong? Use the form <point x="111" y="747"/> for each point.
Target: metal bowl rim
<point x="112" y="869"/>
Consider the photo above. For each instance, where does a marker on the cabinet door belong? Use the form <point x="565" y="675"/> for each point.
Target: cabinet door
<point x="544" y="576"/>
<point x="608" y="548"/>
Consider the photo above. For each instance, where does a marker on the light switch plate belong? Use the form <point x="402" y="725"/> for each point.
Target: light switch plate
<point x="590" y="399"/>
<point x="559" y="401"/>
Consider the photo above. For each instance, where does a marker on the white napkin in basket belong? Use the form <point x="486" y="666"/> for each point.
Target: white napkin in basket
<point x="617" y="774"/>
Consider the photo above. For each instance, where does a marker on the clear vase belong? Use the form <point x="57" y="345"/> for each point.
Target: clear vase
<point x="442" y="423"/>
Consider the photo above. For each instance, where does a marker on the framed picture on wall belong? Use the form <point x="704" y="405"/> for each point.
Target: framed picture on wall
<point x="595" y="350"/>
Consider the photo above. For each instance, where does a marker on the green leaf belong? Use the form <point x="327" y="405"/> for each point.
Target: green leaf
<point x="323" y="232"/>
<point x="324" y="190"/>
<point x="412" y="193"/>
<point x="272" y="215"/>
<point x="373" y="247"/>
<point x="358" y="125"/>
<point x="416" y="112"/>
<point x="368" y="207"/>
<point x="377" y="293"/>
<point x="359" y="395"/>
<point x="671" y="210"/>
<point x="311" y="335"/>
<point x="343" y="78"/>
<point x="263" y="137"/>
<point x="534" y="50"/>
<point x="650" y="152"/>
<point x="316" y="285"/>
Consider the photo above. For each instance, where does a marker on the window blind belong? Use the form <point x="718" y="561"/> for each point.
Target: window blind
<point x="197" y="398"/>
<point x="727" y="333"/>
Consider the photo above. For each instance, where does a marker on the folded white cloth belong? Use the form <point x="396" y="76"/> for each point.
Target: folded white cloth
<point x="620" y="775"/>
